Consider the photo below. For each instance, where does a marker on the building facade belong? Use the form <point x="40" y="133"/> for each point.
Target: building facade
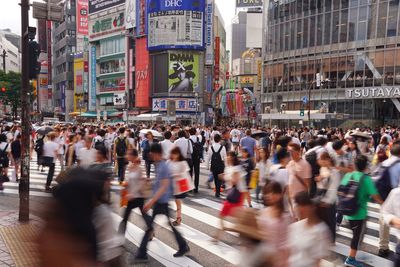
<point x="8" y="45"/>
<point x="338" y="59"/>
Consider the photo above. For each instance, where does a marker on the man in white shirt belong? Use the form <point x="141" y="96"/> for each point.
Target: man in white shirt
<point x="219" y="168"/>
<point x="167" y="145"/>
<point x="195" y="141"/>
<point x="184" y="145"/>
<point x="50" y="151"/>
<point x="87" y="154"/>
<point x="213" y="133"/>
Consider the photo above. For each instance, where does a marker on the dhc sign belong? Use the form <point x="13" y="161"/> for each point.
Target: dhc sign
<point x="173" y="3"/>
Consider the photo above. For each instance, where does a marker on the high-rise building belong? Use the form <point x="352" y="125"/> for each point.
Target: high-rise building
<point x="340" y="59"/>
<point x="9" y="43"/>
<point x="64" y="44"/>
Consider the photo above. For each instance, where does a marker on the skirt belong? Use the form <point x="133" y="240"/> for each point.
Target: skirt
<point x="229" y="207"/>
<point x="181" y="196"/>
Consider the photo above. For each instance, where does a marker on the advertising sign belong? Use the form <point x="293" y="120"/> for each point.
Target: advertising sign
<point x="141" y="17"/>
<point x="78" y="81"/>
<point x="113" y="84"/>
<point x="142" y="72"/>
<point x="106" y="25"/>
<point x="130" y="14"/>
<point x="249" y="3"/>
<point x="119" y="99"/>
<point x="174" y="24"/>
<point x="181" y="104"/>
<point x="82" y="19"/>
<point x="216" y="61"/>
<point x="63" y="86"/>
<point x="42" y="34"/>
<point x="209" y="32"/>
<point x="373" y="92"/>
<point x="183" y="73"/>
<point x="93" y="77"/>
<point x="49" y="54"/>
<point x="98" y="5"/>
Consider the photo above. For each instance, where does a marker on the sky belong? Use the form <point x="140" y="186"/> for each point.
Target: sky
<point x="10" y="14"/>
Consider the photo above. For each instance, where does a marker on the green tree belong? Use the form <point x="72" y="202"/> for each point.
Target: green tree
<point x="12" y="95"/>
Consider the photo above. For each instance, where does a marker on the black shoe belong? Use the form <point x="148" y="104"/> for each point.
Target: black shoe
<point x="138" y="259"/>
<point x="217" y="195"/>
<point x="196" y="191"/>
<point x="181" y="252"/>
<point x="384" y="253"/>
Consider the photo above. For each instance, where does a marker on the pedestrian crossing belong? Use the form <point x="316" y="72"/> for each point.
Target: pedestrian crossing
<point x="200" y="222"/>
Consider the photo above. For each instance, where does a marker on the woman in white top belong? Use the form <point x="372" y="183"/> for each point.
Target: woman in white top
<point x="167" y="145"/>
<point x="5" y="150"/>
<point x="136" y="189"/>
<point x="179" y="170"/>
<point x="234" y="181"/>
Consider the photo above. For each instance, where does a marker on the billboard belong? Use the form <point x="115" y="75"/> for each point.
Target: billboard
<point x="130" y="14"/>
<point x="249" y="3"/>
<point x="106" y="25"/>
<point x="79" y="69"/>
<point x="82" y="18"/>
<point x="160" y="104"/>
<point x="42" y="34"/>
<point x="49" y="55"/>
<point x="98" y="5"/>
<point x="142" y="72"/>
<point x="141" y="18"/>
<point x="183" y="72"/>
<point x="254" y="30"/>
<point x="175" y="24"/>
<point x="119" y="99"/>
<point x="209" y="32"/>
<point x="63" y="87"/>
<point x="216" y="58"/>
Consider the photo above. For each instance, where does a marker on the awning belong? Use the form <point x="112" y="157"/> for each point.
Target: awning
<point x="89" y="114"/>
<point x="75" y="113"/>
<point x="145" y="117"/>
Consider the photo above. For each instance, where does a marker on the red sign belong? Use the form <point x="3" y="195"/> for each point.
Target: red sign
<point x="217" y="55"/>
<point x="227" y="75"/>
<point x="110" y="85"/>
<point x="86" y="66"/>
<point x="142" y="95"/>
<point x="82" y="22"/>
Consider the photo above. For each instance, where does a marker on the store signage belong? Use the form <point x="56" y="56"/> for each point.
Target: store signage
<point x="141" y="16"/>
<point x="106" y="25"/>
<point x="209" y="32"/>
<point x="142" y="92"/>
<point x="110" y="85"/>
<point x="130" y="14"/>
<point x="249" y="3"/>
<point x="98" y="5"/>
<point x="82" y="17"/>
<point x="92" y="101"/>
<point x="373" y="92"/>
<point x="119" y="99"/>
<point x="49" y="54"/>
<point x="174" y="24"/>
<point x="181" y="104"/>
<point x="247" y="80"/>
<point x="216" y="61"/>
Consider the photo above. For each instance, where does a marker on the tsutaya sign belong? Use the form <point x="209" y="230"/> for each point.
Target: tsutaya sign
<point x="373" y="92"/>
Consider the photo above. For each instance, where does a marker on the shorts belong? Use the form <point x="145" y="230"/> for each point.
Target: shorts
<point x="181" y="196"/>
<point x="228" y="207"/>
<point x="235" y="143"/>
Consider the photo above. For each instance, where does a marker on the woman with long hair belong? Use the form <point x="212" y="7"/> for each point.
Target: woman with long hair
<point x="263" y="165"/>
<point x="234" y="177"/>
<point x="179" y="170"/>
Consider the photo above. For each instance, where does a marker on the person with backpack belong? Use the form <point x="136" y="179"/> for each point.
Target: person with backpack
<point x="39" y="143"/>
<point x="121" y="145"/>
<point x="146" y="144"/>
<point x="388" y="178"/>
<point x="354" y="192"/>
<point x="217" y="157"/>
<point x="196" y="140"/>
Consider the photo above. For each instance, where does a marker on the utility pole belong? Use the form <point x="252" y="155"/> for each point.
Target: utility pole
<point x="4" y="55"/>
<point x="25" y="123"/>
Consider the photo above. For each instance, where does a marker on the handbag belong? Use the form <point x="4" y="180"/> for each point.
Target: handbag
<point x="254" y="179"/>
<point x="233" y="195"/>
<point x="47" y="161"/>
<point x="182" y="183"/>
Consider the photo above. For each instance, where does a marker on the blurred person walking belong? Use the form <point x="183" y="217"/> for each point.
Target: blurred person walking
<point x="5" y="150"/>
<point x="50" y="151"/>
<point x="16" y="156"/>
<point x="87" y="154"/>
<point x="162" y="192"/>
<point x="216" y="158"/>
<point x="146" y="144"/>
<point x="121" y="146"/>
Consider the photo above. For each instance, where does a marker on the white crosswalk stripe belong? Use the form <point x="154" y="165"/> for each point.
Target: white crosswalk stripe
<point x="227" y="253"/>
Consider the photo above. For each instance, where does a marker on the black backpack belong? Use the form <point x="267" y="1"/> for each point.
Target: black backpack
<point x="99" y="144"/>
<point x="39" y="146"/>
<point x="217" y="164"/>
<point x="347" y="197"/>
<point x="4" y="156"/>
<point x="311" y="158"/>
<point x="121" y="147"/>
<point x="197" y="149"/>
<point x="383" y="184"/>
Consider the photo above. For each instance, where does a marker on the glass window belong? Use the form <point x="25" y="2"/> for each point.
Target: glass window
<point x="392" y="18"/>
<point x="328" y="5"/>
<point x="312" y="31"/>
<point x="305" y="33"/>
<point x="292" y="35"/>
<point x="336" y="4"/>
<point x="319" y="27"/>
<point x="335" y="27"/>
<point x="343" y="25"/>
<point x="327" y="29"/>
<point x="353" y="3"/>
<point x="382" y="18"/>
<point x="299" y="33"/>
<point x="352" y="23"/>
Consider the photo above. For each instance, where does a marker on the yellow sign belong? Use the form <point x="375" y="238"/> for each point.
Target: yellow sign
<point x="79" y="65"/>
<point x="246" y="79"/>
<point x="259" y="72"/>
<point x="34" y="85"/>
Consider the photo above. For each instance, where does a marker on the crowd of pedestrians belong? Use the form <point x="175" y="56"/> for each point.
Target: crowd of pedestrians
<point x="310" y="181"/>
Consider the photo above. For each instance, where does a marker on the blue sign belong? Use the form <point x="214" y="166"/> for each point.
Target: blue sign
<point x="305" y="99"/>
<point x="175" y="24"/>
<point x="92" y="95"/>
<point x="63" y="84"/>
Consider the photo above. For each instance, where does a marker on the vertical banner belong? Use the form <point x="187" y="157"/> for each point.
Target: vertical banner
<point x="93" y="76"/>
<point x="141" y="15"/>
<point x="142" y="92"/>
<point x="130" y="14"/>
<point x="42" y="34"/>
<point x="49" y="55"/>
<point x="82" y="20"/>
<point x="216" y="61"/>
<point x="63" y="85"/>
<point x="209" y="32"/>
